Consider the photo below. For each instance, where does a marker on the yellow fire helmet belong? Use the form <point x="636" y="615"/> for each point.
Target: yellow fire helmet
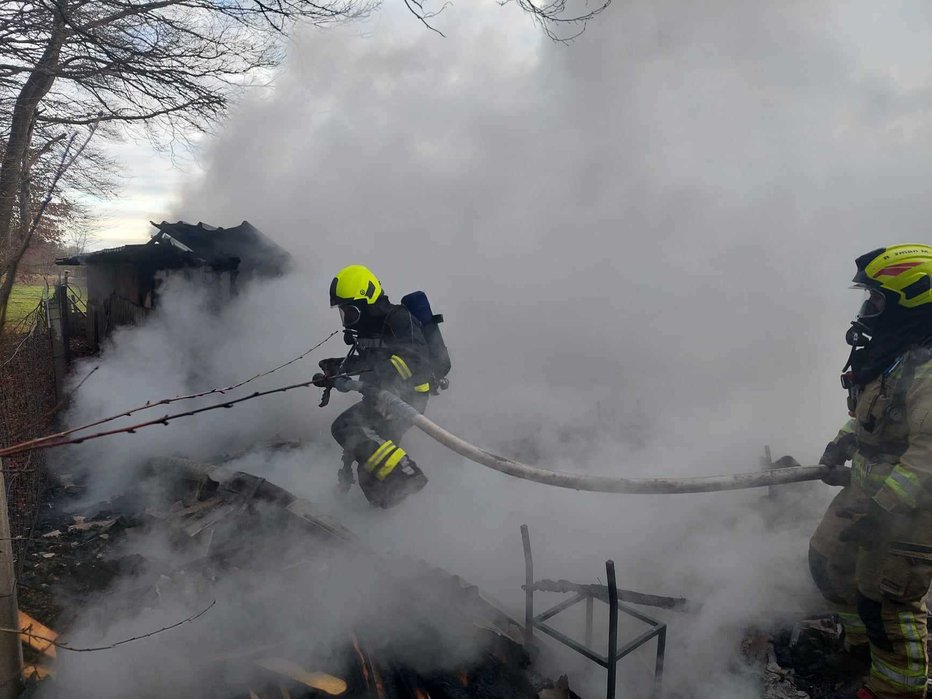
<point x="354" y="283"/>
<point x="902" y="272"/>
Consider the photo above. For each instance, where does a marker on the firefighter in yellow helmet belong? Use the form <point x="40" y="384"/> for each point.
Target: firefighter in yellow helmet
<point x="871" y="555"/>
<point x="389" y="348"/>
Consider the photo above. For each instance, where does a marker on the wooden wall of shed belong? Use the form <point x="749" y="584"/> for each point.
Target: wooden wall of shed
<point x="123" y="279"/>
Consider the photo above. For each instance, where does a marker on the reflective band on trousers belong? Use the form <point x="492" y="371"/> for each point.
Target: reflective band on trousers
<point x="422" y="388"/>
<point x="388" y="455"/>
<point x="904" y="483"/>
<point x="390" y="464"/>
<point x="915" y="648"/>
<point x="379" y="454"/>
<point x="400" y="366"/>
<point x="908" y="680"/>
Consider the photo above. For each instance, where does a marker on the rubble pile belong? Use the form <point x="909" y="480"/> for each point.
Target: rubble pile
<point x="74" y="553"/>
<point x="804" y="660"/>
<point x="218" y="523"/>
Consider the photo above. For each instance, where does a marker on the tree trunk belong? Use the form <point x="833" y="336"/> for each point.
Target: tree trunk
<point x="11" y="653"/>
<point x="35" y="88"/>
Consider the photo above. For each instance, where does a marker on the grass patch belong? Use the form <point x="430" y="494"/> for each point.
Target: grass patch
<point x="23" y="300"/>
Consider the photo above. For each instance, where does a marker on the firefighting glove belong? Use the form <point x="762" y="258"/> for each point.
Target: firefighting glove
<point x="332" y="366"/>
<point x="872" y="526"/>
<point x="321" y="381"/>
<point x="835" y="455"/>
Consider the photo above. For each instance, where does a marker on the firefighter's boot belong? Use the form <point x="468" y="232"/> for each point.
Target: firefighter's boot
<point x="405" y="479"/>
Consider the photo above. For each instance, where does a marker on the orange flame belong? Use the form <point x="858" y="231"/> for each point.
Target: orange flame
<point x="418" y="694"/>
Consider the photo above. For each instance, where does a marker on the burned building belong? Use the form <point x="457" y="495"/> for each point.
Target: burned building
<point x="123" y="283"/>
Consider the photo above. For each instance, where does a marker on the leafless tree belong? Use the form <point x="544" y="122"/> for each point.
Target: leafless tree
<point x="78" y="238"/>
<point x="562" y="20"/>
<point x="169" y="67"/>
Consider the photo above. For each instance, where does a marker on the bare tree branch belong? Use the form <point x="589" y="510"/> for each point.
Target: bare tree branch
<point x="416" y="8"/>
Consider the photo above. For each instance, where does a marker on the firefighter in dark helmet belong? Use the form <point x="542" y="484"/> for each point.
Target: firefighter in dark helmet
<point x="871" y="555"/>
<point x="389" y="348"/>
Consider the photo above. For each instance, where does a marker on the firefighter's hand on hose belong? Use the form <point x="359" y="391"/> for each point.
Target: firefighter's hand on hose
<point x="838" y="475"/>
<point x="321" y="381"/>
<point x="835" y="456"/>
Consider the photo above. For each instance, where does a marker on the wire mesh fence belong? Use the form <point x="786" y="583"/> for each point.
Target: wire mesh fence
<point x="27" y="404"/>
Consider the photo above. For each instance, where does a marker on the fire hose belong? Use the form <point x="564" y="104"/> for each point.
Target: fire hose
<point x="597" y="484"/>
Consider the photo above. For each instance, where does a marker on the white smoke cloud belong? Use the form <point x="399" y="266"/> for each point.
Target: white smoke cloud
<point x="641" y="243"/>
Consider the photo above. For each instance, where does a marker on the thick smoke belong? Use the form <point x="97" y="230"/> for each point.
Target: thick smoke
<point x="641" y="243"/>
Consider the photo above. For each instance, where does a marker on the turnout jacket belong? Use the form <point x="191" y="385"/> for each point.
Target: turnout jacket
<point x="390" y="346"/>
<point x="892" y="425"/>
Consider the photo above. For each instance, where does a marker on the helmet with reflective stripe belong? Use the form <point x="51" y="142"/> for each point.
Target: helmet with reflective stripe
<point x="902" y="272"/>
<point x="354" y="283"/>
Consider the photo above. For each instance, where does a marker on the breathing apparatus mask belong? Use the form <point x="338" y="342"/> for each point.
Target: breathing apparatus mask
<point x="350" y="313"/>
<point x="865" y="323"/>
<point x="860" y="337"/>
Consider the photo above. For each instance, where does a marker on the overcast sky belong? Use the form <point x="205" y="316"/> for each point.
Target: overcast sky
<point x="642" y="242"/>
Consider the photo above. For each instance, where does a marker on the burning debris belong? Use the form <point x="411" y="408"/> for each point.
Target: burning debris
<point x="227" y="529"/>
<point x="804" y="660"/>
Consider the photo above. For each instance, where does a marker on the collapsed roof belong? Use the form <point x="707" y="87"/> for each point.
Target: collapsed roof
<point x="175" y="245"/>
<point x="257" y="254"/>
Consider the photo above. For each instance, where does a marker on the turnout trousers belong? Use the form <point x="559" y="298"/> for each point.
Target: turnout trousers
<point x="373" y="439"/>
<point x="878" y="590"/>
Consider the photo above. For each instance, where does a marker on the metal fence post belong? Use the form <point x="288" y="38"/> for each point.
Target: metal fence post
<point x="612" y="628"/>
<point x="57" y="330"/>
<point x="658" y="668"/>
<point x="11" y="652"/>
<point x="528" y="588"/>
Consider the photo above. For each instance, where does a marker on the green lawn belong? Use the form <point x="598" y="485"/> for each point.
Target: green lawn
<point x="24" y="299"/>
